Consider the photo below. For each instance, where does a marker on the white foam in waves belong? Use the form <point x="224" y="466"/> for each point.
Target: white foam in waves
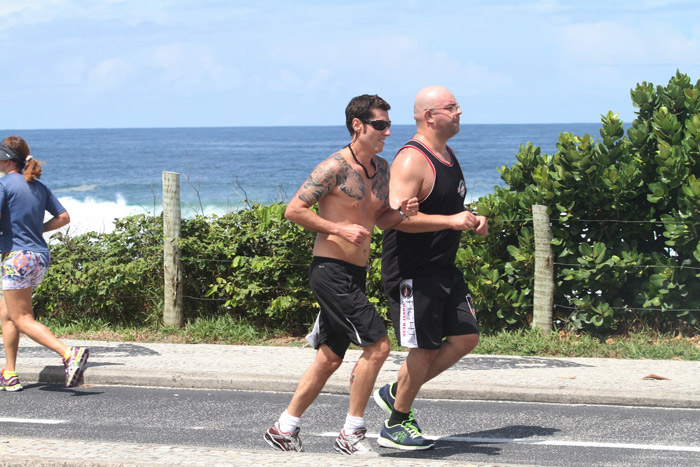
<point x="91" y="215"/>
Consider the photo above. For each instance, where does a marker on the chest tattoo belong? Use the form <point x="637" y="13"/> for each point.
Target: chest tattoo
<point x="349" y="181"/>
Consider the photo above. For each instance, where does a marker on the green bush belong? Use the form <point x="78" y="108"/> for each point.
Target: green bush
<point x="256" y="263"/>
<point x="252" y="262"/>
<point x="115" y="276"/>
<point x="625" y="215"/>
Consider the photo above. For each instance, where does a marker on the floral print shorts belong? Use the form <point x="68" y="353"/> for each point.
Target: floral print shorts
<point x="23" y="269"/>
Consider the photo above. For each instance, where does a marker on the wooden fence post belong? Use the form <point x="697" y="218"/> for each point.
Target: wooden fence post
<point x="172" y="271"/>
<point x="544" y="270"/>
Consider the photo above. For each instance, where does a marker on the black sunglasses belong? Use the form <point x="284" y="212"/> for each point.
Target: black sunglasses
<point x="379" y="125"/>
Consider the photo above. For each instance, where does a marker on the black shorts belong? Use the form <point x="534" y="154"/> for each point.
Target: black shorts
<point x="431" y="304"/>
<point x="346" y="314"/>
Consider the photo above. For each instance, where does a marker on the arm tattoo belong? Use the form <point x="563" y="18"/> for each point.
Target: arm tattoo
<point x="380" y="183"/>
<point x="319" y="183"/>
<point x="312" y="191"/>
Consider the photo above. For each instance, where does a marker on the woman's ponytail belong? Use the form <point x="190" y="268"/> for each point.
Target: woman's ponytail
<point x="32" y="169"/>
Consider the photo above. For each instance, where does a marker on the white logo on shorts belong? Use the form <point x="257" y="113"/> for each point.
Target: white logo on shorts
<point x="407" y="322"/>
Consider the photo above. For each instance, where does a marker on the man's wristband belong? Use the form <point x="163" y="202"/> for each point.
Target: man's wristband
<point x="402" y="215"/>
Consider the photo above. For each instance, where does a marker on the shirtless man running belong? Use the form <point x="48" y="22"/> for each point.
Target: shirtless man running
<point x="351" y="188"/>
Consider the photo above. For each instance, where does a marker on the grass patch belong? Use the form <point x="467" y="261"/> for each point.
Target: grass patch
<point x="644" y="344"/>
<point x="223" y="329"/>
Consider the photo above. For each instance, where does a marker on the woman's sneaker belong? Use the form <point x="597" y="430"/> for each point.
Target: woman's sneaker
<point x="9" y="381"/>
<point x="355" y="444"/>
<point x="75" y="365"/>
<point x="403" y="436"/>
<point x="282" y="440"/>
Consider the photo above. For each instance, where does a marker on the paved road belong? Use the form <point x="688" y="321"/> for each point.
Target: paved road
<point x="523" y="379"/>
<point x="466" y="431"/>
<point x="482" y="432"/>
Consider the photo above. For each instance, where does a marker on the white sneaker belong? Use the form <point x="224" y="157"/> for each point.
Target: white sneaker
<point x="283" y="441"/>
<point x="355" y="444"/>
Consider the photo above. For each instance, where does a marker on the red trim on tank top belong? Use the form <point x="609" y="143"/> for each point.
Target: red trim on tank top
<point x="449" y="151"/>
<point x="432" y="166"/>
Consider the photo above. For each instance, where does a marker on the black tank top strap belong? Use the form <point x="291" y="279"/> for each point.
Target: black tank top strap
<point x="415" y="144"/>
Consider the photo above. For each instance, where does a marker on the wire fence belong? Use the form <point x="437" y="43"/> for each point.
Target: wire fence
<point x="580" y="265"/>
<point x="303" y="267"/>
<point x="556" y="263"/>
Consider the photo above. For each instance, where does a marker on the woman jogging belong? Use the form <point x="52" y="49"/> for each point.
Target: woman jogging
<point x="25" y="259"/>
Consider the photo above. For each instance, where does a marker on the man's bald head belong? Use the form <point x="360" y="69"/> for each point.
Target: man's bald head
<point x="437" y="113"/>
<point x="428" y="98"/>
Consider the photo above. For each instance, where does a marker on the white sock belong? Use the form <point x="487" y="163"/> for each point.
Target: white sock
<point x="352" y="424"/>
<point x="288" y="423"/>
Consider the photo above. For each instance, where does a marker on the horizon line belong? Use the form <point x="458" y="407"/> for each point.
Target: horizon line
<point x="272" y="126"/>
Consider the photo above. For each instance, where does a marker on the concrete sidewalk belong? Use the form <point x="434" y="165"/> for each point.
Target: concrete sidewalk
<point x="534" y="379"/>
<point x="661" y="383"/>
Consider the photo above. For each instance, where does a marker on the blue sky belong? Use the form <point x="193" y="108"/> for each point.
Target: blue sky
<point x="175" y="63"/>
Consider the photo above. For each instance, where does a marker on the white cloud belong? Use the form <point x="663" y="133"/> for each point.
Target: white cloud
<point x="612" y="43"/>
<point x="285" y="80"/>
<point x="112" y="72"/>
<point x="184" y="66"/>
<point x="384" y="60"/>
<point x="21" y="13"/>
<point x="9" y="8"/>
<point x="320" y="78"/>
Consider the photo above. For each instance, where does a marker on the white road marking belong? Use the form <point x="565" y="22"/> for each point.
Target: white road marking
<point x="585" y="444"/>
<point x="542" y="442"/>
<point x="37" y="421"/>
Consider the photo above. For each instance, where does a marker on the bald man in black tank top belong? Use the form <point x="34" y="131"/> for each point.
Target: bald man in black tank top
<point x="430" y="304"/>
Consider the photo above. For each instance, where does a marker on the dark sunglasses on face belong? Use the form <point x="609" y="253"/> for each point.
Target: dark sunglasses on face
<point x="379" y="125"/>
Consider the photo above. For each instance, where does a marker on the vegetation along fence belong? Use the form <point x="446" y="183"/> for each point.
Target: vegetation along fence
<point x="542" y="306"/>
<point x="602" y="236"/>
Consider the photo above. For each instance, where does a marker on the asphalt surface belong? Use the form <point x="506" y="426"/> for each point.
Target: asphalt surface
<point x="654" y="383"/>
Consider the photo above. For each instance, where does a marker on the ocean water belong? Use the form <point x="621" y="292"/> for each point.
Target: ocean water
<point x="103" y="174"/>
